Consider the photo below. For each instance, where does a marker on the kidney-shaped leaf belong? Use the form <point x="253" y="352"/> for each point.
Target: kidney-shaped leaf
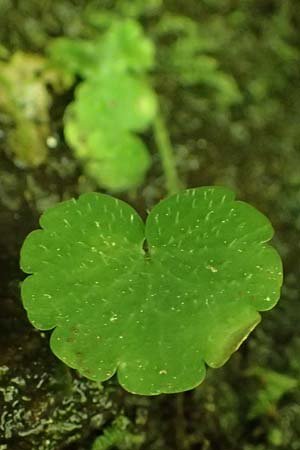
<point x="118" y="162"/>
<point x="154" y="302"/>
<point x="114" y="102"/>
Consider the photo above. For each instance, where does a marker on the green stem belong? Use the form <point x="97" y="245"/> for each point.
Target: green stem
<point x="165" y="149"/>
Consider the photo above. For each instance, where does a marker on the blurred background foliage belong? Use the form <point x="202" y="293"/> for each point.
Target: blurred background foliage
<point x="226" y="76"/>
<point x="112" y="102"/>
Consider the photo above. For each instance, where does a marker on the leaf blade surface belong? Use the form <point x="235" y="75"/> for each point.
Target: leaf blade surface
<point x="156" y="317"/>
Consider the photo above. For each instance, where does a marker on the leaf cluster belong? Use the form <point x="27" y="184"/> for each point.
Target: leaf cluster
<point x="113" y="102"/>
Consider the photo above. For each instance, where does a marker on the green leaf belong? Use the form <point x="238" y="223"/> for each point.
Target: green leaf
<point x="155" y="316"/>
<point x="117" y="161"/>
<point x="101" y="135"/>
<point x="102" y="102"/>
<point x="125" y="48"/>
<point x="76" y="56"/>
<point x="99" y="132"/>
<point x="122" y="48"/>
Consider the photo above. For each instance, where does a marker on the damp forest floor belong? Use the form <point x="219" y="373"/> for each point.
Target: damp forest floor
<point x="253" y="402"/>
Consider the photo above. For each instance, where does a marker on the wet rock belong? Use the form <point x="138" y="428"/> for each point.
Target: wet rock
<point x="43" y="404"/>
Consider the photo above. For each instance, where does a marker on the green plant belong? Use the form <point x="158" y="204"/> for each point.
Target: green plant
<point x="113" y="68"/>
<point x="112" y="103"/>
<point x="153" y="302"/>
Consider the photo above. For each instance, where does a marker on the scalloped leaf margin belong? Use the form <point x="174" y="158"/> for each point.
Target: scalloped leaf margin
<point x="154" y="316"/>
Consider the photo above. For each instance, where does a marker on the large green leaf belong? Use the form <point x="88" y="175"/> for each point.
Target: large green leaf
<point x="155" y="316"/>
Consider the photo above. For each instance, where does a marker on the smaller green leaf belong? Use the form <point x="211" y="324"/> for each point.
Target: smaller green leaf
<point x="102" y="102"/>
<point x="100" y="134"/>
<point x="125" y="48"/>
<point x="76" y="56"/>
<point x="122" y="160"/>
<point x="117" y="161"/>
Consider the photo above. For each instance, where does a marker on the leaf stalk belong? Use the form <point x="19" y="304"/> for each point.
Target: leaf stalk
<point x="166" y="152"/>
